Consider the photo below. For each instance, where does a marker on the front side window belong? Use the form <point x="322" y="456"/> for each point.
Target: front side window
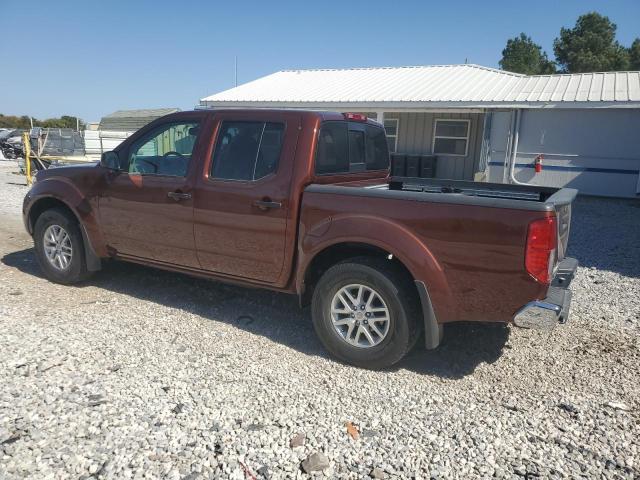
<point x="247" y="150"/>
<point x="166" y="150"/>
<point x="350" y="147"/>
<point x="451" y="137"/>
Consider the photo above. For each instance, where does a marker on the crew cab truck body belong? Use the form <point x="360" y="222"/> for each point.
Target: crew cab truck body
<point x="301" y="202"/>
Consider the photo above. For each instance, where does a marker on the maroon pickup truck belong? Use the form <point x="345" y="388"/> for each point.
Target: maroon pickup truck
<point x="302" y="202"/>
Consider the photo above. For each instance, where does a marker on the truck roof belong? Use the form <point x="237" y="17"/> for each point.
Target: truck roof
<point x="321" y="114"/>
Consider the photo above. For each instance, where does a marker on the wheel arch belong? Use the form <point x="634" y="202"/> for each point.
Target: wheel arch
<point x="372" y="233"/>
<point x="338" y="252"/>
<point x="343" y="236"/>
<point x="39" y="206"/>
<point x="42" y="204"/>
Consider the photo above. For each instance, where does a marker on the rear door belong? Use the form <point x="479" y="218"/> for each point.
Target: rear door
<point x="242" y="199"/>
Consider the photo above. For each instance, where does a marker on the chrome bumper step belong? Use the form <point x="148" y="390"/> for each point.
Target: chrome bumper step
<point x="554" y="309"/>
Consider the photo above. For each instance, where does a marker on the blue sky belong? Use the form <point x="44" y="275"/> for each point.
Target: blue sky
<point x="89" y="58"/>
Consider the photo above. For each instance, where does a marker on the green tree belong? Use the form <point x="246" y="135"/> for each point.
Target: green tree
<point x="11" y="121"/>
<point x="634" y="55"/>
<point x="65" y="121"/>
<point x="522" y="55"/>
<point x="590" y="46"/>
<point x="24" y="122"/>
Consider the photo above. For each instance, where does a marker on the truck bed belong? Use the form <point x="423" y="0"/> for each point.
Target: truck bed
<point x="475" y="232"/>
<point x="529" y="197"/>
<point x="498" y="195"/>
<point x="482" y="194"/>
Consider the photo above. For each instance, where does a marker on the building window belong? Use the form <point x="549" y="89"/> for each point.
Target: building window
<point x="391" y="129"/>
<point x="451" y="137"/>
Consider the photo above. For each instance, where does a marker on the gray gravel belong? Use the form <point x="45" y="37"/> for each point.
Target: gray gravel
<point x="141" y="373"/>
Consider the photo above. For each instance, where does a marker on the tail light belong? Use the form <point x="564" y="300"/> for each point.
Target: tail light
<point x="358" y="117"/>
<point x="541" y="248"/>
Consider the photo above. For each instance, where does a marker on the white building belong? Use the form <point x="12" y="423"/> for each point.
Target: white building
<point x="114" y="128"/>
<point x="479" y="121"/>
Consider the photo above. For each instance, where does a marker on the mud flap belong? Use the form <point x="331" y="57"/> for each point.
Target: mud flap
<point x="432" y="329"/>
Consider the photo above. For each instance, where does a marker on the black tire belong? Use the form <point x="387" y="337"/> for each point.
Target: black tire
<point x="77" y="269"/>
<point x="398" y="292"/>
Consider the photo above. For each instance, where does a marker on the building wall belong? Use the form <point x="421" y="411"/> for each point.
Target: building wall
<point x="97" y="142"/>
<point x="415" y="135"/>
<point x="596" y="151"/>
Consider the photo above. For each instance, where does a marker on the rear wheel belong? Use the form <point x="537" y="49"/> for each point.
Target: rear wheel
<point x="59" y="247"/>
<point x="365" y="312"/>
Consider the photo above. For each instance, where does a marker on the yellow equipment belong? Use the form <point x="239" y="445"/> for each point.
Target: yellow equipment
<point x="26" y="143"/>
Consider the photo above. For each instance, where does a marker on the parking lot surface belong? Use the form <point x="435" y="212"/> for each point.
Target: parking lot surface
<point x="141" y="373"/>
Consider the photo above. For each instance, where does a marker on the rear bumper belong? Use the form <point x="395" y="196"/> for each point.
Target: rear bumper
<point x="554" y="309"/>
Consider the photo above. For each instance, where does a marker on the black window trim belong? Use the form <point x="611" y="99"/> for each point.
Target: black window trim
<point x="212" y="179"/>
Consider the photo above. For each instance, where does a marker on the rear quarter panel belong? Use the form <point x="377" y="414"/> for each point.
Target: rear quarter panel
<point x="470" y="257"/>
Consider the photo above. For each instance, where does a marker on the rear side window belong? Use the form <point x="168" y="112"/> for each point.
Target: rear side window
<point x="351" y="147"/>
<point x="377" y="149"/>
<point x="333" y="148"/>
<point x="356" y="150"/>
<point x="247" y="150"/>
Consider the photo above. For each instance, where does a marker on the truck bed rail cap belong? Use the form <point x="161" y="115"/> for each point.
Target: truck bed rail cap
<point x="564" y="196"/>
<point x="451" y="198"/>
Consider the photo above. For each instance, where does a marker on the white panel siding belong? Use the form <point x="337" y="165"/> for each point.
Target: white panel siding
<point x="415" y="136"/>
<point x="102" y="141"/>
<point x="595" y="151"/>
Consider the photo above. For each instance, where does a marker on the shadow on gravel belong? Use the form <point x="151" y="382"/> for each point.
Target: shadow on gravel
<point x="605" y="235"/>
<point x="275" y="316"/>
<point x="464" y="347"/>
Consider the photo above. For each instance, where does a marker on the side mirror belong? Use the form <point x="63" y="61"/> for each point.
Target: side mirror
<point x="110" y="160"/>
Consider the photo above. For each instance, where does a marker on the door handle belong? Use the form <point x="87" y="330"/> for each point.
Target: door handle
<point x="177" y="196"/>
<point x="266" y="204"/>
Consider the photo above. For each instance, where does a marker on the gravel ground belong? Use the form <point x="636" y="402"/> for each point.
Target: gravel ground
<point x="143" y="374"/>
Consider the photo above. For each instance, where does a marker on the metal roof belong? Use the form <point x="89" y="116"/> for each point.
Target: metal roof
<point x="446" y="86"/>
<point x="132" y="120"/>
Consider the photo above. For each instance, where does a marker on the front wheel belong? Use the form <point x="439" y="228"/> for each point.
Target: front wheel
<point x="365" y="312"/>
<point x="59" y="247"/>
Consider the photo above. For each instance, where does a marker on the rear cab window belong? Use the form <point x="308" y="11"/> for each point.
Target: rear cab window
<point x="349" y="147"/>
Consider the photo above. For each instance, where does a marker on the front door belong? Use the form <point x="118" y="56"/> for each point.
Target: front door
<point x="242" y="202"/>
<point x="146" y="209"/>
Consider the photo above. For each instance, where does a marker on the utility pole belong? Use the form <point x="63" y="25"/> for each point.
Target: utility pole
<point x="235" y="70"/>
